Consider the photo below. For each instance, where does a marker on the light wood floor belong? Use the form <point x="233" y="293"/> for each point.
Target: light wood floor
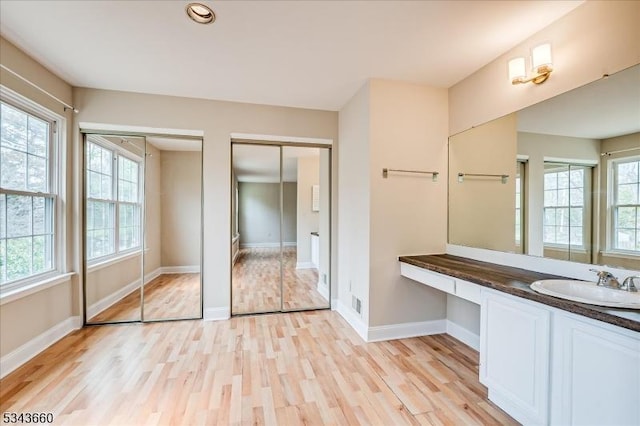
<point x="281" y="369"/>
<point x="256" y="282"/>
<point x="168" y="296"/>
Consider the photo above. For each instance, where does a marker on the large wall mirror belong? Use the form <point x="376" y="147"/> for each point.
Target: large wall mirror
<point x="142" y="230"/>
<point x="559" y="179"/>
<point x="281" y="222"/>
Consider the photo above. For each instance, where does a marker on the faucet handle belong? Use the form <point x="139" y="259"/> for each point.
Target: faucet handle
<point x="628" y="283"/>
<point x="603" y="276"/>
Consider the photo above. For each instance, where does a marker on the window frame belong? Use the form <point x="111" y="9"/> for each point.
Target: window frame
<point x="612" y="178"/>
<point x="57" y="177"/>
<point x="117" y="152"/>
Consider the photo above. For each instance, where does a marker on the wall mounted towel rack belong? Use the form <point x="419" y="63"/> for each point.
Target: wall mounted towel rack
<point x="434" y="175"/>
<point x="461" y="176"/>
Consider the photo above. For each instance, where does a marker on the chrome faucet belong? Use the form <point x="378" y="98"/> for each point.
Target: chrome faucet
<point x="606" y="279"/>
<point x="628" y="283"/>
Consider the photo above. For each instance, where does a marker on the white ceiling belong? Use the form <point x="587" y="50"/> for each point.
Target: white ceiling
<point x="603" y="109"/>
<point x="313" y="54"/>
<point x="255" y="163"/>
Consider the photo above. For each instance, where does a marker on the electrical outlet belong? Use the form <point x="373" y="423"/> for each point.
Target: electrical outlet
<point x="324" y="279"/>
<point x="358" y="306"/>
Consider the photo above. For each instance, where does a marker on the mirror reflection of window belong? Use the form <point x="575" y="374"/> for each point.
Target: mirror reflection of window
<point x="626" y="205"/>
<point x="564" y="204"/>
<point x="519" y="211"/>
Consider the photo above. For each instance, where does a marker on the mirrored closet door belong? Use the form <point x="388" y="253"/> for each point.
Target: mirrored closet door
<point x="280" y="222"/>
<point x="142" y="204"/>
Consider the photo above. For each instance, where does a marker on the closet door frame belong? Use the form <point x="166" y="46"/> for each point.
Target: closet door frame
<point x="84" y="133"/>
<point x="281" y="145"/>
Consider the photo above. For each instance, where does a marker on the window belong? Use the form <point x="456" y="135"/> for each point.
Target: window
<point x="28" y="192"/>
<point x="519" y="207"/>
<point x="564" y="205"/>
<point x="626" y="205"/>
<point x="113" y="207"/>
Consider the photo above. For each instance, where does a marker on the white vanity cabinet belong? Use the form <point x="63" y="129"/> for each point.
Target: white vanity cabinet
<point x="514" y="355"/>
<point x="595" y="373"/>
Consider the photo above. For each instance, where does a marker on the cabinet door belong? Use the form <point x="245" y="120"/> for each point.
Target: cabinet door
<point x="596" y="373"/>
<point x="514" y="355"/>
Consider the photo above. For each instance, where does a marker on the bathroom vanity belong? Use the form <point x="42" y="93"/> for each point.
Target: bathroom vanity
<point x="543" y="359"/>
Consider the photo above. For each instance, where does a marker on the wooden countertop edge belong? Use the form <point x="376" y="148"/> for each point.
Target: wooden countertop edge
<point x="589" y="311"/>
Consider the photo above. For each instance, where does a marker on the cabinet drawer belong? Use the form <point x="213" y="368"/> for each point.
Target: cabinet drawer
<point x="432" y="279"/>
<point x="468" y="291"/>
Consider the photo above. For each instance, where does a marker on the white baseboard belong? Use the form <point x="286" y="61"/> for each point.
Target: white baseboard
<point x="306" y="265"/>
<point x="465" y="336"/>
<point x="269" y="245"/>
<point x="190" y="269"/>
<point x="111" y="299"/>
<point x="352" y="318"/>
<point x="406" y="330"/>
<point x="33" y="347"/>
<point x="217" y="314"/>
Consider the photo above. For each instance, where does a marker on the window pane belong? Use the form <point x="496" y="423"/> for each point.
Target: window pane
<point x="18" y="258"/>
<point x="577" y="197"/>
<point x="562" y="235"/>
<point x="14" y="128"/>
<point x="37" y="174"/>
<point x="550" y="181"/>
<point x="19" y="216"/>
<point x="550" y="198"/>
<point x="628" y="172"/>
<point x="563" y="197"/>
<point x="100" y="229"/>
<point x="626" y="239"/>
<point x="563" y="180"/>
<point x="106" y="189"/>
<point x="3" y="261"/>
<point x="576" y="236"/>
<point x="549" y="216"/>
<point x="3" y="216"/>
<point x="14" y="169"/>
<point x="129" y="233"/>
<point x="577" y="178"/>
<point x="628" y="193"/>
<point x="107" y="162"/>
<point x="562" y="217"/>
<point x="549" y="234"/>
<point x="575" y="216"/>
<point x="626" y="217"/>
<point x="37" y="135"/>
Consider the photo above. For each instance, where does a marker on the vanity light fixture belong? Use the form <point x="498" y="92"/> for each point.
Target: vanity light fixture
<point x="541" y="65"/>
<point x="200" y="13"/>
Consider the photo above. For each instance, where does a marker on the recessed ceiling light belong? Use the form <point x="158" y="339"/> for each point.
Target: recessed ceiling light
<point x="200" y="13"/>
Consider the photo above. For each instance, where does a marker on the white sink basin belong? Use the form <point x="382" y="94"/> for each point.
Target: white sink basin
<point x="588" y="292"/>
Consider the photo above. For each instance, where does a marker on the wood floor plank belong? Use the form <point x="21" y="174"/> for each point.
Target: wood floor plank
<point x="284" y="369"/>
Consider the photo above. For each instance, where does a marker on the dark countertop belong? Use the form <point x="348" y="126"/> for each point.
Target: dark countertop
<point x="516" y="281"/>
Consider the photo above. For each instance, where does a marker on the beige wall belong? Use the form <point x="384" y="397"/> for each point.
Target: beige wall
<point x="217" y="119"/>
<point x="613" y="144"/>
<point x="538" y="148"/>
<point x="394" y="125"/>
<point x="597" y="37"/>
<point x="181" y="206"/>
<point x="408" y="213"/>
<point x="104" y="282"/>
<point x="354" y="202"/>
<point x="481" y="210"/>
<point x="259" y="213"/>
<point x="308" y="221"/>
<point x="40" y="311"/>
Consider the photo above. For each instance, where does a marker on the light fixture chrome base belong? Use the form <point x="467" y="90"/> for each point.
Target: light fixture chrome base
<point x="542" y="74"/>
